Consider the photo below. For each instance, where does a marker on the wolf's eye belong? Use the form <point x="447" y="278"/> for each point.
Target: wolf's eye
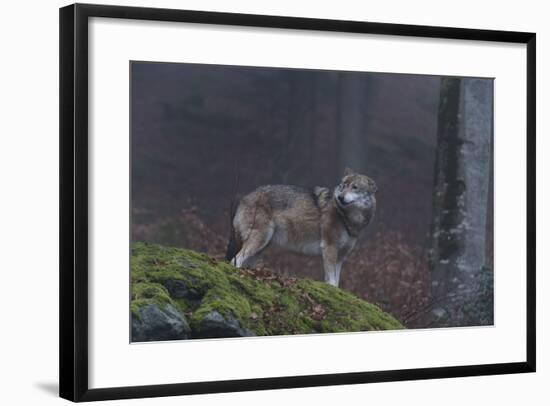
<point x="354" y="187"/>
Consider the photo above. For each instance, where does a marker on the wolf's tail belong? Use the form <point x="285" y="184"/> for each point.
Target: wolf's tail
<point x="235" y="243"/>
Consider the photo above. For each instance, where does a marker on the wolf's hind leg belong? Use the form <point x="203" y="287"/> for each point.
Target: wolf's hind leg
<point x="252" y="247"/>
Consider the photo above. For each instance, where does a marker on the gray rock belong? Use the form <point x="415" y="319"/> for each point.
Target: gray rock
<point x="179" y="290"/>
<point x="156" y="324"/>
<point x="215" y="325"/>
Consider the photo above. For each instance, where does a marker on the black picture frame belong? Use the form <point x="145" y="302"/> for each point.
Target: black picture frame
<point x="73" y="282"/>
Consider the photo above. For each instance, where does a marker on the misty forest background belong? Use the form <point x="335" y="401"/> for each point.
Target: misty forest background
<point x="426" y="140"/>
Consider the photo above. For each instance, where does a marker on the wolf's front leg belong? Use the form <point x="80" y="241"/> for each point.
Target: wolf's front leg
<point x="338" y="270"/>
<point x="330" y="263"/>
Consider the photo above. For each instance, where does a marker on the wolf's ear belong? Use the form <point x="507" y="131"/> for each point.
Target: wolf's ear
<point x="348" y="171"/>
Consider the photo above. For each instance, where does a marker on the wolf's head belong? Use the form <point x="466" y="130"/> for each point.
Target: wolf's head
<point x="355" y="191"/>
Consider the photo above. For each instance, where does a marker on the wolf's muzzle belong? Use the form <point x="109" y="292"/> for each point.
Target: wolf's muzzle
<point x="342" y="200"/>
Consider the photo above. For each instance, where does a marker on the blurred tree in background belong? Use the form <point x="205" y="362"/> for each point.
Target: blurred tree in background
<point x="461" y="195"/>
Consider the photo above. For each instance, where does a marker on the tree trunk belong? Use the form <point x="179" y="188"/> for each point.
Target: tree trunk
<point x="325" y="146"/>
<point x="354" y="90"/>
<point x="462" y="174"/>
<point x="295" y="165"/>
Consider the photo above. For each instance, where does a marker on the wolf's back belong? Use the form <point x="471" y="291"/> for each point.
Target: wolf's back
<point x="281" y="197"/>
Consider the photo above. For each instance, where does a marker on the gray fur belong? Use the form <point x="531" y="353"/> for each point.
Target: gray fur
<point x="311" y="222"/>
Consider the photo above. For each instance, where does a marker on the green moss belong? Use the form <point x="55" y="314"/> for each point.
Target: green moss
<point x="144" y="293"/>
<point x="266" y="305"/>
<point x="347" y="312"/>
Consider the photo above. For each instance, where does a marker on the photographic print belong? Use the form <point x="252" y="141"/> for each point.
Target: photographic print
<point x="273" y="201"/>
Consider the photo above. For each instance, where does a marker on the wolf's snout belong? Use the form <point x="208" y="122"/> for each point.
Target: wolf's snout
<point x="342" y="199"/>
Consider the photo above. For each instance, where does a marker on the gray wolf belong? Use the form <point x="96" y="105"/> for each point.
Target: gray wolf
<point x="306" y="221"/>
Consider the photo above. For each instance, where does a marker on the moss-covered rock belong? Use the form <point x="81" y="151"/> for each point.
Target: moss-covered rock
<point x="155" y="323"/>
<point x="219" y="300"/>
